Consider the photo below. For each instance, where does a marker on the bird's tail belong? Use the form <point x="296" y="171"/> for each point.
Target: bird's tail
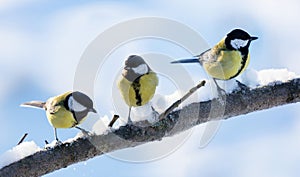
<point x="34" y="104"/>
<point x="189" y="60"/>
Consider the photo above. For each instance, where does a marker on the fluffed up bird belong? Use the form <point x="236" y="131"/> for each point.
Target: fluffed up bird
<point x="66" y="110"/>
<point x="227" y="59"/>
<point x="138" y="83"/>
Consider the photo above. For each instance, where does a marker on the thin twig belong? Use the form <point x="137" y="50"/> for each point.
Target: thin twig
<point x="114" y="119"/>
<point x="178" y="102"/>
<point x="23" y="138"/>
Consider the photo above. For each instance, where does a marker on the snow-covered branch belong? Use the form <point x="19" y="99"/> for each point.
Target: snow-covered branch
<point x="237" y="103"/>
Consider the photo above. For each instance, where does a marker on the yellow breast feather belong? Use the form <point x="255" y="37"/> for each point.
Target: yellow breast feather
<point x="147" y="86"/>
<point x="227" y="64"/>
<point x="57" y="114"/>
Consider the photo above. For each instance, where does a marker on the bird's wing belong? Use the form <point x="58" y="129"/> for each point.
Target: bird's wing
<point x="124" y="87"/>
<point x="52" y="105"/>
<point x="154" y="79"/>
<point x="205" y="56"/>
<point x="201" y="54"/>
<point x="34" y="104"/>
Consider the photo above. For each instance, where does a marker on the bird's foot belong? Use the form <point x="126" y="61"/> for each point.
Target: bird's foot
<point x="84" y="132"/>
<point x="58" y="143"/>
<point x="154" y="116"/>
<point x="221" y="95"/>
<point x="53" y="144"/>
<point x="129" y="121"/>
<point x="221" y="92"/>
<point x="222" y="99"/>
<point x="242" y="86"/>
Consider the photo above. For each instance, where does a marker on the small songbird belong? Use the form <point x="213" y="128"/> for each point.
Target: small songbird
<point x="228" y="58"/>
<point x="66" y="110"/>
<point x="138" y="83"/>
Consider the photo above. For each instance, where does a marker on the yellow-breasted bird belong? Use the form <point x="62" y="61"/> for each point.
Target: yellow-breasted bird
<point x="138" y="83"/>
<point x="228" y="58"/>
<point x="66" y="110"/>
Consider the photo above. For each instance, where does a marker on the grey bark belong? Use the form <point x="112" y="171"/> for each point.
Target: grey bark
<point x="237" y="103"/>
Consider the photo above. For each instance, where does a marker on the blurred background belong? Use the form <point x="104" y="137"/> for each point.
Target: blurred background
<point x="41" y="43"/>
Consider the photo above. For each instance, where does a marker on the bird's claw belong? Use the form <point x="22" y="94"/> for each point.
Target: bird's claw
<point x="242" y="86"/>
<point x="129" y="122"/>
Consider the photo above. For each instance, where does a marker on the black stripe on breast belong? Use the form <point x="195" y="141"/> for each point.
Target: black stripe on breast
<point x="65" y="102"/>
<point x="78" y="116"/>
<point x="243" y="64"/>
<point x="136" y="87"/>
<point x="74" y="115"/>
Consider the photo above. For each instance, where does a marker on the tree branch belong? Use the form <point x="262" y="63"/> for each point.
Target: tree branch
<point x="178" y="102"/>
<point x="237" y="103"/>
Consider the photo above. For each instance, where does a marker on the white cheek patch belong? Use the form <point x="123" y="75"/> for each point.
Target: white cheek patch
<point x="141" y="69"/>
<point x="238" y="43"/>
<point x="75" y="105"/>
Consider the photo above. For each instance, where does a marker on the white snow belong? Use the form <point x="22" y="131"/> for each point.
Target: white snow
<point x="162" y="102"/>
<point x="141" y="113"/>
<point x="101" y="126"/>
<point x="253" y="78"/>
<point x="209" y="91"/>
<point x="54" y="143"/>
<point x="18" y="152"/>
<point x="146" y="112"/>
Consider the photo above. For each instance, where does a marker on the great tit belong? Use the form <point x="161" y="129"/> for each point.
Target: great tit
<point x="228" y="58"/>
<point x="138" y="83"/>
<point x="66" y="110"/>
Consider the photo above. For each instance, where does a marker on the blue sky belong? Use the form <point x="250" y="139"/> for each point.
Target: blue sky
<point x="42" y="44"/>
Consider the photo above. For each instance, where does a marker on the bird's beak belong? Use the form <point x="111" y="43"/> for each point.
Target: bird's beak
<point x="252" y="38"/>
<point x="93" y="110"/>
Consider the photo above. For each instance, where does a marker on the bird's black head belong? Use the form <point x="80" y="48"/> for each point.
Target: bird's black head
<point x="238" y="39"/>
<point x="135" y="66"/>
<point x="79" y="104"/>
<point x="134" y="61"/>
